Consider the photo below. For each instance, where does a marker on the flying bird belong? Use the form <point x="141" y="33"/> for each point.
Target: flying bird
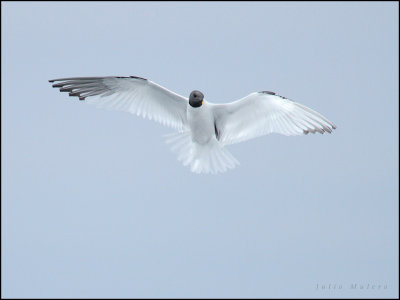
<point x="203" y="129"/>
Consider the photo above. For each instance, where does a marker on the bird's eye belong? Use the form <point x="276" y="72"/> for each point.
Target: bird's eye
<point x="195" y="95"/>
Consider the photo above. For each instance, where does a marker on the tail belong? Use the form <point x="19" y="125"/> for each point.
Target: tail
<point x="208" y="158"/>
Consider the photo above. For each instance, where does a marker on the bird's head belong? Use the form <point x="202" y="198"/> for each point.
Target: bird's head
<point x="196" y="99"/>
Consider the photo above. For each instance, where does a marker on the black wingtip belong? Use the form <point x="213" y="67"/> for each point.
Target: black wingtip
<point x="272" y="93"/>
<point x="135" y="77"/>
<point x="94" y="78"/>
<point x="57" y="85"/>
<point x="268" y="92"/>
<point x="66" y="89"/>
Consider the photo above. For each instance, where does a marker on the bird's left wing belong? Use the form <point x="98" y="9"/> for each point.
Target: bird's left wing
<point x="263" y="113"/>
<point x="132" y="94"/>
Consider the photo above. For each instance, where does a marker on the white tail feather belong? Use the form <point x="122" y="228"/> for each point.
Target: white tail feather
<point x="208" y="158"/>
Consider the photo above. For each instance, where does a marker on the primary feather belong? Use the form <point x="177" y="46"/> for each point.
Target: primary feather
<point x="132" y="94"/>
<point x="263" y="113"/>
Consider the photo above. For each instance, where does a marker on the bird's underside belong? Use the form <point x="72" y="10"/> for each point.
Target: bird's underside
<point x="203" y="128"/>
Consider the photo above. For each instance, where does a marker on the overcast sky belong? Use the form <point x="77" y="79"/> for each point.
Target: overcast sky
<point x="95" y="204"/>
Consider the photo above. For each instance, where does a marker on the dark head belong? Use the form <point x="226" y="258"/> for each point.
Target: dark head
<point x="196" y="99"/>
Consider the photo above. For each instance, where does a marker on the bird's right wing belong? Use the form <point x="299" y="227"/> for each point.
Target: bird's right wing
<point x="132" y="94"/>
<point x="263" y="113"/>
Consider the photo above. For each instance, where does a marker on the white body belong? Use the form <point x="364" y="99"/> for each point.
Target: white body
<point x="198" y="146"/>
<point x="201" y="123"/>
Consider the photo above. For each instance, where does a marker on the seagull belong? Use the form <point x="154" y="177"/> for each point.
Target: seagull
<point x="203" y="129"/>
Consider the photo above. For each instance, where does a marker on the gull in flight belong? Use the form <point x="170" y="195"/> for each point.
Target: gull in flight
<point x="203" y="129"/>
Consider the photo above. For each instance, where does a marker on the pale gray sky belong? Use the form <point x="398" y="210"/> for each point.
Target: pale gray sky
<point x="95" y="205"/>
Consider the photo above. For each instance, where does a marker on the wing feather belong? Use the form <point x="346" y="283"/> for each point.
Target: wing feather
<point x="263" y="113"/>
<point x="132" y="94"/>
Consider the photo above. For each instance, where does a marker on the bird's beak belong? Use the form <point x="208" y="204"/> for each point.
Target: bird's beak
<point x="202" y="102"/>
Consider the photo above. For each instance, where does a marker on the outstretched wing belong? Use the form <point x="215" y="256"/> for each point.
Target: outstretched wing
<point x="263" y="113"/>
<point x="132" y="94"/>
